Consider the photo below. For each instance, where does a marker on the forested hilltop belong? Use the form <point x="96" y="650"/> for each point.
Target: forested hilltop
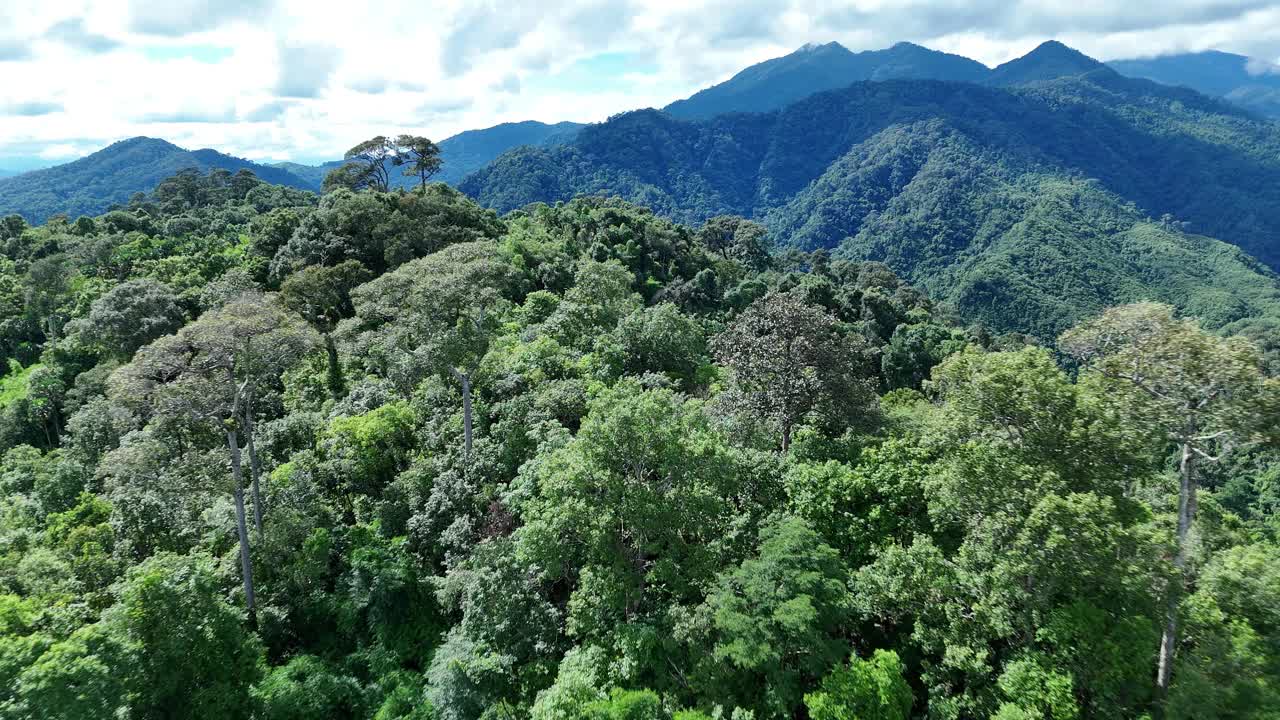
<point x="1031" y="206"/>
<point x="391" y="455"/>
<point x="94" y="184"/>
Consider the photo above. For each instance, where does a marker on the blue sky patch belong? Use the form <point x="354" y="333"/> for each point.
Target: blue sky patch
<point x="594" y="74"/>
<point x="200" y="53"/>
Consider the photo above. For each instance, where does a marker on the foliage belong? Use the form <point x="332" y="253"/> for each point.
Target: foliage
<point x="110" y="177"/>
<point x="1029" y="208"/>
<point x="872" y="689"/>
<point x="471" y="467"/>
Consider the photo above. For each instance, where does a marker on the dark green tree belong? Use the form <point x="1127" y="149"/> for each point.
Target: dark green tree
<point x="1201" y="392"/>
<point x="418" y="156"/>
<point x="791" y="362"/>
<point x="131" y="315"/>
<point x="322" y="296"/>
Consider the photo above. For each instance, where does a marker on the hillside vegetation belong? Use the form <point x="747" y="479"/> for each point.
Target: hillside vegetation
<point x="1251" y="84"/>
<point x="1056" y="199"/>
<point x="91" y="185"/>
<point x="949" y="394"/>
<point x="392" y="456"/>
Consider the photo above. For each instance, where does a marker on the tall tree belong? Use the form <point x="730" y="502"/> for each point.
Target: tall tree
<point x="791" y="359"/>
<point x="210" y="373"/>
<point x="736" y="238"/>
<point x="419" y="156"/>
<point x="346" y="176"/>
<point x="249" y="341"/>
<point x="365" y="167"/>
<point x="779" y="618"/>
<point x="1206" y="394"/>
<point x="131" y="315"/>
<point x="872" y="689"/>
<point x="446" y="308"/>
<point x="322" y="295"/>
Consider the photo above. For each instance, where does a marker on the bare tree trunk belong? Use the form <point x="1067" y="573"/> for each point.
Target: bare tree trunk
<point x="335" y="367"/>
<point x="255" y="469"/>
<point x="466" y="414"/>
<point x="786" y="437"/>
<point x="53" y="422"/>
<point x="465" y="379"/>
<point x="1186" y="512"/>
<point x="246" y="564"/>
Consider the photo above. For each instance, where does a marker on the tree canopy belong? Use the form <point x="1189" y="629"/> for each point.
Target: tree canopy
<point x="390" y="455"/>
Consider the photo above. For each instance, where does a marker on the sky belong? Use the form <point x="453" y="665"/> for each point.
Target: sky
<point x="303" y="80"/>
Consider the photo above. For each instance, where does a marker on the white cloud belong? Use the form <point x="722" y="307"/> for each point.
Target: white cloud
<point x="31" y="108"/>
<point x="1261" y="67"/>
<point x="72" y="31"/>
<point x="62" y="151"/>
<point x="184" y="17"/>
<point x="304" y="79"/>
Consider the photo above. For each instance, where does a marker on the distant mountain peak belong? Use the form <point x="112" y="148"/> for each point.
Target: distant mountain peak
<point x="140" y="141"/>
<point x="1054" y="46"/>
<point x="810" y="47"/>
<point x="1049" y="60"/>
<point x="814" y="68"/>
<point x="91" y="184"/>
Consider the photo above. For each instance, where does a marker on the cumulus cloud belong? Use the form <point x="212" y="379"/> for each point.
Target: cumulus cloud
<point x="443" y="106"/>
<point x="484" y="27"/>
<point x="31" y="108"/>
<point x="183" y="17"/>
<point x="308" y="78"/>
<point x="480" y="31"/>
<point x="226" y="115"/>
<point x="73" y="32"/>
<point x="508" y="84"/>
<point x="1257" y="67"/>
<point x="305" y="70"/>
<point x="370" y="86"/>
<point x="11" y="50"/>
<point x="268" y="112"/>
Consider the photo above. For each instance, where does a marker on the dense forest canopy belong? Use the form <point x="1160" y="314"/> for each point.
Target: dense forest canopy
<point x="1059" y="197"/>
<point x="391" y="455"/>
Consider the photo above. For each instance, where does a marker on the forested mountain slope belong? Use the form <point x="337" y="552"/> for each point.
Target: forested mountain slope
<point x="268" y="456"/>
<point x="933" y="177"/>
<point x="469" y="151"/>
<point x="1251" y="84"/>
<point x="90" y="185"/>
<point x="1048" y="61"/>
<point x="814" y="68"/>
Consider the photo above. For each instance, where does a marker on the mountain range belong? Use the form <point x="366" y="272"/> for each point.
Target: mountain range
<point x="92" y="184"/>
<point x="1027" y="195"/>
<point x="813" y="68"/>
<point x="95" y="182"/>
<point x="1055" y="188"/>
<point x="1249" y="83"/>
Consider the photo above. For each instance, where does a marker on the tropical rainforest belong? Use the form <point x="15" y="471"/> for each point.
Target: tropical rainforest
<point x="912" y="399"/>
<point x="390" y="455"/>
